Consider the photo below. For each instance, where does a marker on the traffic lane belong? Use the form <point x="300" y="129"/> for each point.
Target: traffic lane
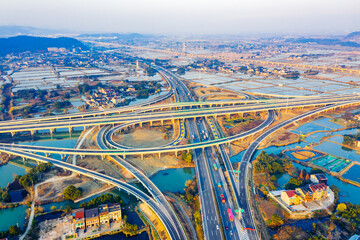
<point x="210" y="207"/>
<point x="210" y="218"/>
<point x="229" y="227"/>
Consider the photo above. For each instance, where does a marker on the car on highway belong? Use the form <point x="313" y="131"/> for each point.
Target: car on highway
<point x="222" y="198"/>
<point x="217" y="227"/>
<point x="215" y="167"/>
<point x="219" y="185"/>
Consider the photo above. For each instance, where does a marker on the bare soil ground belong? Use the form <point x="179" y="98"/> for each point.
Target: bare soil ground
<point x="268" y="208"/>
<point x="152" y="163"/>
<point x="53" y="190"/>
<point x="142" y="138"/>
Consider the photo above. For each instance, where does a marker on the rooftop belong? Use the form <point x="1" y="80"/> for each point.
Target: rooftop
<point x="291" y="193"/>
<point x="90" y="213"/>
<point x="114" y="207"/>
<point x="316" y="187"/>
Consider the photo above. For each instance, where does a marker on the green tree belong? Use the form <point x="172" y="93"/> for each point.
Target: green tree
<point x="294" y="183"/>
<point x="277" y="220"/>
<point x="187" y="157"/>
<point x="341" y="207"/>
<point x="14" y="230"/>
<point x="197" y="217"/>
<point x="72" y="193"/>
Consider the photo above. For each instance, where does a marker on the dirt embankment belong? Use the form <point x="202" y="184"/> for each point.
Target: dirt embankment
<point x="151" y="216"/>
<point x="143" y="138"/>
<point x="52" y="189"/>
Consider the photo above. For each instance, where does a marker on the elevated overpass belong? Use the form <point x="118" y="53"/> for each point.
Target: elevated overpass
<point x="174" y="230"/>
<point x="13" y="127"/>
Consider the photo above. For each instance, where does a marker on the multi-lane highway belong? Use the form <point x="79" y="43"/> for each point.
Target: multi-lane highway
<point x="212" y="183"/>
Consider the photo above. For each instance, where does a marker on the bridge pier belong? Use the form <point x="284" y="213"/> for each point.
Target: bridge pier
<point x="102" y="157"/>
<point x="142" y="156"/>
<point x="140" y="124"/>
<point x="176" y="153"/>
<point x="124" y="156"/>
<point x="81" y="156"/>
<point x="12" y="134"/>
<point x="52" y="130"/>
<point x="159" y="155"/>
<point x="162" y="122"/>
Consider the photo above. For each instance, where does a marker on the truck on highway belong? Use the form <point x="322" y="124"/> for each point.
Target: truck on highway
<point x="193" y="137"/>
<point x="231" y="216"/>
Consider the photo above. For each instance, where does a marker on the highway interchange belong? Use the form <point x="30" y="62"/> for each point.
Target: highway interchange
<point x="207" y="144"/>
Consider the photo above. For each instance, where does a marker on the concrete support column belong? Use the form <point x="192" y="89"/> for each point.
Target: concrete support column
<point x="52" y="130"/>
<point x="162" y="122"/>
<point x="159" y="155"/>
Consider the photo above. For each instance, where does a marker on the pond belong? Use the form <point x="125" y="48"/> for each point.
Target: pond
<point x="173" y="180"/>
<point x="8" y="173"/>
<point x="12" y="216"/>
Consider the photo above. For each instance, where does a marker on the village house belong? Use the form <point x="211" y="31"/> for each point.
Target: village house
<point x="290" y="197"/>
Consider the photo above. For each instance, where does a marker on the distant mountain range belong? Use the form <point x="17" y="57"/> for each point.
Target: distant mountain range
<point x="10" y="31"/>
<point x="351" y="40"/>
<point x="355" y="36"/>
<point x="124" y="36"/>
<point x="28" y="43"/>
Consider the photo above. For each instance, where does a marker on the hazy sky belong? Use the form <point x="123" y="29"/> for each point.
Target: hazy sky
<point x="186" y="16"/>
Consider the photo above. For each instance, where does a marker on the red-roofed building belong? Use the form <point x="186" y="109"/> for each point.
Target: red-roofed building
<point x="290" y="197"/>
<point x="79" y="218"/>
<point x="320" y="191"/>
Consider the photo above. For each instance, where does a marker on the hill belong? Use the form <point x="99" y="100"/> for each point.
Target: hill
<point x="353" y="35"/>
<point x="325" y="41"/>
<point x="124" y="36"/>
<point x="27" y="43"/>
<point x="10" y="31"/>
